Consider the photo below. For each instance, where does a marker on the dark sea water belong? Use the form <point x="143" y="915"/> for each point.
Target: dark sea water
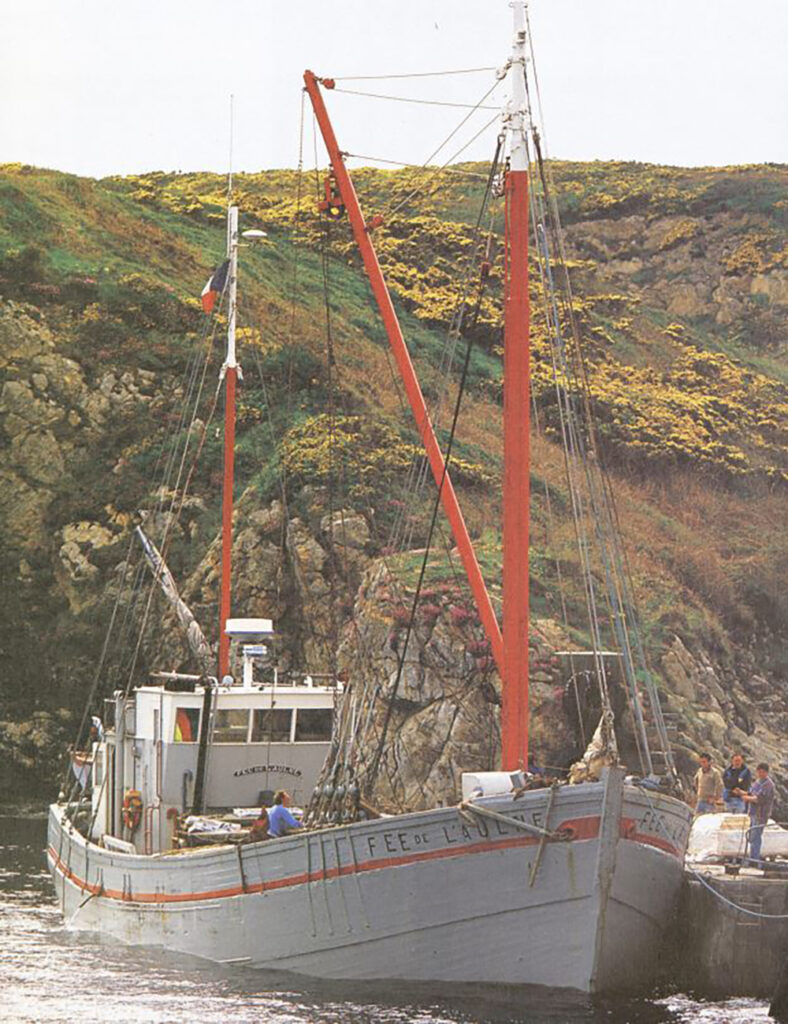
<point x="49" y="974"/>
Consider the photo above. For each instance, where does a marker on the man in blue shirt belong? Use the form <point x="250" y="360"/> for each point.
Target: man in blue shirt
<point x="280" y="820"/>
<point x="761" y="801"/>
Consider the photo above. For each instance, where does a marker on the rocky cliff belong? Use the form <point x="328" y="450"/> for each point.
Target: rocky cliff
<point x="682" y="289"/>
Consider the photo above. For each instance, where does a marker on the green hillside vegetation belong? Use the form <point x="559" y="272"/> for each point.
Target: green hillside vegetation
<point x="680" y="291"/>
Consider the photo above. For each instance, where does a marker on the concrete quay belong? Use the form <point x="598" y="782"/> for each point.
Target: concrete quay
<point x="718" y="950"/>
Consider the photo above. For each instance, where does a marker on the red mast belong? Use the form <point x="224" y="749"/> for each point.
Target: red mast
<point x="516" y="424"/>
<point x="415" y="397"/>
<point x="230" y="371"/>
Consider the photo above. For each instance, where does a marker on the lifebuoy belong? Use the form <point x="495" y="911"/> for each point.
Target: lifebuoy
<point x="132" y="809"/>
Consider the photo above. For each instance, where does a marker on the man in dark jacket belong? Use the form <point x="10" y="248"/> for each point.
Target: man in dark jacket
<point x="736" y="776"/>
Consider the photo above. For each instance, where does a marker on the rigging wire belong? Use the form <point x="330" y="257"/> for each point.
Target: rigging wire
<point x="332" y="372"/>
<point x="402" y="532"/>
<point x="337" y="767"/>
<point x="296" y="252"/>
<point x="411" y="74"/>
<point x="97" y="675"/>
<point x="392" y="695"/>
<point x="452" y="331"/>
<point x="573" y="456"/>
<point x="618" y="593"/>
<point x="359" y="638"/>
<point x="419" y="466"/>
<point x="137" y="587"/>
<point x="325" y="243"/>
<point x="573" y="445"/>
<point x="550" y="524"/>
<point x="339" y="742"/>
<point x="200" y="446"/>
<point x="421" y="189"/>
<point x="191" y="402"/>
<point x="445" y="538"/>
<point x="442" y="145"/>
<point x="427" y="164"/>
<point x="105" y="667"/>
<point x="418" y="101"/>
<point x="592" y="470"/>
<point x="402" y="163"/>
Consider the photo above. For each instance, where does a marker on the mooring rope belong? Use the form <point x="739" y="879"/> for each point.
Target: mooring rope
<point x="703" y="879"/>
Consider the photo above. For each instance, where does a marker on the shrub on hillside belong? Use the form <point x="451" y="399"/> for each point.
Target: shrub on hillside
<point x="365" y="454"/>
<point x="22" y="272"/>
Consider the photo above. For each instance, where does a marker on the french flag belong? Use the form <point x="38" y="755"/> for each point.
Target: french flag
<point x="214" y="286"/>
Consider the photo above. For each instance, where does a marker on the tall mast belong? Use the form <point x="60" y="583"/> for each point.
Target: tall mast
<point x="230" y="371"/>
<point x="516" y="421"/>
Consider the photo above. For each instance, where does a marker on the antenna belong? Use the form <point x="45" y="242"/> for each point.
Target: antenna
<point x="230" y="159"/>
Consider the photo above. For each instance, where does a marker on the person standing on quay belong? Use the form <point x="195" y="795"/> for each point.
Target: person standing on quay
<point x="761" y="801"/>
<point x="708" y="786"/>
<point x="737" y="776"/>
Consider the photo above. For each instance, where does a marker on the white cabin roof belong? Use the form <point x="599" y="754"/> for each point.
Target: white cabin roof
<point x="246" y="696"/>
<point x="249" y="629"/>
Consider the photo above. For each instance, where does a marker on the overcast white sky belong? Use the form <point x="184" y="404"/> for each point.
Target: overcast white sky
<point x="103" y="86"/>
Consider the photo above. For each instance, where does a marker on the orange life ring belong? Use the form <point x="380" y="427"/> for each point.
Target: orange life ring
<point x="132" y="809"/>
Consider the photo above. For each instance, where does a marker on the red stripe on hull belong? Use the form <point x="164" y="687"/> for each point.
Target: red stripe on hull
<point x="576" y="830"/>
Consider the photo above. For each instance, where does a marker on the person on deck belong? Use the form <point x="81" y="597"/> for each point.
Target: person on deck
<point x="281" y="821"/>
<point x="761" y="801"/>
<point x="708" y="786"/>
<point x="737" y="776"/>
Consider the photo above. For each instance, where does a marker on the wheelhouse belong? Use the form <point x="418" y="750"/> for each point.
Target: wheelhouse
<point x="245" y="739"/>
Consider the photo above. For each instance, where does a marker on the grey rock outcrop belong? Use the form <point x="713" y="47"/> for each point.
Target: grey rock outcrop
<point x="723" y="711"/>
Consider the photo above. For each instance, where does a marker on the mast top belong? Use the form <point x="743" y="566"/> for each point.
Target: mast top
<point x="516" y="110"/>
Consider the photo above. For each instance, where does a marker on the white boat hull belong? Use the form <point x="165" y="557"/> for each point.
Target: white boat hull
<point x="433" y="896"/>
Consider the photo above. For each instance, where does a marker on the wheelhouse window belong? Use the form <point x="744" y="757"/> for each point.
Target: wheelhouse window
<point x="230" y="726"/>
<point x="313" y="725"/>
<point x="271" y="725"/>
<point x="187" y="725"/>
